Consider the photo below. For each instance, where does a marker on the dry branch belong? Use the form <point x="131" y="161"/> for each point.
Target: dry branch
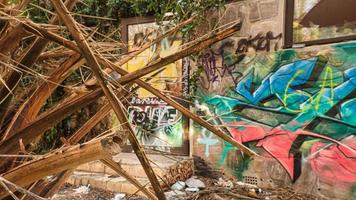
<point x="29" y="109"/>
<point x="47" y="120"/>
<point x="61" y="160"/>
<point x="28" y="60"/>
<point x="20" y="189"/>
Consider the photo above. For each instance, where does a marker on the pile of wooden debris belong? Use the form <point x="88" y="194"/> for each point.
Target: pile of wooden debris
<point x="60" y="47"/>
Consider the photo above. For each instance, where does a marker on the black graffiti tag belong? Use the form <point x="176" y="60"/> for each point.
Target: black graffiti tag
<point x="215" y="72"/>
<point x="260" y="43"/>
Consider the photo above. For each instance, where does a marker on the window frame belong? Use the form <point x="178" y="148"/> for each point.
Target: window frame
<point x="288" y="31"/>
<point x="183" y="150"/>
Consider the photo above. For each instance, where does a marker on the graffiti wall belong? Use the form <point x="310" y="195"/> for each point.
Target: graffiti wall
<point x="295" y="107"/>
<point x="156" y="125"/>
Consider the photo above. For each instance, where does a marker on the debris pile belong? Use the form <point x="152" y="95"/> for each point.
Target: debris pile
<point x="226" y="189"/>
<point x="25" y="115"/>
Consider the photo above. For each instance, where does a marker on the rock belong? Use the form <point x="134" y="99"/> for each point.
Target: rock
<point x="179" y="185"/>
<point x="192" y="189"/>
<point x="195" y="183"/>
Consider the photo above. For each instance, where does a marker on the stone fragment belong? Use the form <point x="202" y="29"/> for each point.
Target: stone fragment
<point x="195" y="183"/>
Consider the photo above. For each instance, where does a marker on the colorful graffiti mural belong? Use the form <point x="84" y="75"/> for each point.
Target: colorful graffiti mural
<point x="295" y="106"/>
<point x="156" y="124"/>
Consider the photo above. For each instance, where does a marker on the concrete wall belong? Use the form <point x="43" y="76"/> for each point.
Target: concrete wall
<point x="294" y="107"/>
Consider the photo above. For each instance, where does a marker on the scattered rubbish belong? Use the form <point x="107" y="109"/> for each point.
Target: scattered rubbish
<point x="195" y="183"/>
<point x="175" y="194"/>
<point x="252" y="193"/>
<point x="192" y="189"/>
<point x="82" y="189"/>
<point x="179" y="185"/>
<point x="246" y="185"/>
<point x="224" y="183"/>
<point x="119" y="196"/>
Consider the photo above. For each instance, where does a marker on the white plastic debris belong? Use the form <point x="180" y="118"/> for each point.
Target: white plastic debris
<point x="179" y="185"/>
<point x="82" y="189"/>
<point x="119" y="196"/>
<point x="192" y="189"/>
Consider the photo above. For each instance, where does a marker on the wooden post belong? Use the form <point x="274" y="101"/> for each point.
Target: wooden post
<point x="68" y="20"/>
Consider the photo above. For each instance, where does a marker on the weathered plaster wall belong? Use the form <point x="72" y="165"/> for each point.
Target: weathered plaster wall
<point x="295" y="107"/>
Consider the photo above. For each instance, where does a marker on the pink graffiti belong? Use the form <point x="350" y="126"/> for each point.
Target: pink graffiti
<point x="331" y="164"/>
<point x="278" y="143"/>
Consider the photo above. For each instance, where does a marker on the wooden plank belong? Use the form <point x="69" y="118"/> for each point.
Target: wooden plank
<point x="61" y="160"/>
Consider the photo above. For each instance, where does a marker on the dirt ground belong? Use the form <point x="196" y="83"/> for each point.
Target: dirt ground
<point x="69" y="192"/>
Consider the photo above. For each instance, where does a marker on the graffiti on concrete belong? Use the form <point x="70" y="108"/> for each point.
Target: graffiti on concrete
<point x="260" y="42"/>
<point x="158" y="125"/>
<point x="298" y="110"/>
<point x="219" y="64"/>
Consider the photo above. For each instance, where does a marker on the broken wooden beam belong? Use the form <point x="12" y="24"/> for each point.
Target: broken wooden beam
<point x="62" y="159"/>
<point x="45" y="121"/>
<point x="32" y="106"/>
<point x="104" y="62"/>
<point x="119" y="170"/>
<point x="28" y="59"/>
<point x="74" y="30"/>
